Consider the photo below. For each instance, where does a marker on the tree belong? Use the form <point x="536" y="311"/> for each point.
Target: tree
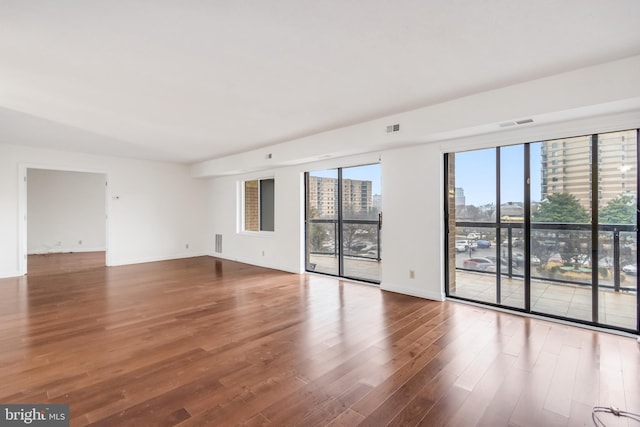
<point x="621" y="210"/>
<point x="319" y="236"/>
<point x="472" y="213"/>
<point x="319" y="232"/>
<point x="561" y="207"/>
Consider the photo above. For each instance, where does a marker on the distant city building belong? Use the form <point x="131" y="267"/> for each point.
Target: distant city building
<point x="323" y="196"/>
<point x="377" y="202"/>
<point x="512" y="211"/>
<point x="460" y="199"/>
<point x="566" y="163"/>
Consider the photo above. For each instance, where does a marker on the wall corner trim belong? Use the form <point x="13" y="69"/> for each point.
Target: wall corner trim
<point x="420" y="293"/>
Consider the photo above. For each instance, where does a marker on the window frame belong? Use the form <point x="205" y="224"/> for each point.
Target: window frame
<point x="242" y="209"/>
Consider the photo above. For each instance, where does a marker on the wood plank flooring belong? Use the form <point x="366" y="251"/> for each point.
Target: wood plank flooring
<point x="204" y="341"/>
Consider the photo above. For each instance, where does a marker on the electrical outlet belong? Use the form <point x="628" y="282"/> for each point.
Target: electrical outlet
<point x="186" y="246"/>
<point x="79" y="242"/>
<point x="262" y="253"/>
<point x="412" y="274"/>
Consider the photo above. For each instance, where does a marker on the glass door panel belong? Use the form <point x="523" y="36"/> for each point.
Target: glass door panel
<point x="361" y="222"/>
<point x="472" y="234"/>
<point x="322" y="254"/>
<point x="512" y="239"/>
<point x="562" y="244"/>
<point x="617" y="233"/>
<point x="561" y="228"/>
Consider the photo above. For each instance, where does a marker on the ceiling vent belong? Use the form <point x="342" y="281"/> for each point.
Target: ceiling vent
<point x="393" y="128"/>
<point x="517" y="122"/>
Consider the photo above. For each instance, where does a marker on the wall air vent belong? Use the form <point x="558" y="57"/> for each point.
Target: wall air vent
<point x="393" y="128"/>
<point x="218" y="246"/>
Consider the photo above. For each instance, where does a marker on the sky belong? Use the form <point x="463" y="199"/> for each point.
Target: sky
<point x="476" y="174"/>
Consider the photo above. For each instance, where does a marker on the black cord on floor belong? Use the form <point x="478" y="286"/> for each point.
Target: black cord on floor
<point x="611" y="410"/>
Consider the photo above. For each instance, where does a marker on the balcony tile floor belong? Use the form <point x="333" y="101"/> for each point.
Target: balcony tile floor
<point x="547" y="297"/>
<point x="571" y="301"/>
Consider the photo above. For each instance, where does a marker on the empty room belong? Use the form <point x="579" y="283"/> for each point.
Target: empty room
<point x="338" y="213"/>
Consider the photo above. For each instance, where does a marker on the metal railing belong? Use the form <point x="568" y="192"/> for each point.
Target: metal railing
<point x="564" y="244"/>
<point x="360" y="237"/>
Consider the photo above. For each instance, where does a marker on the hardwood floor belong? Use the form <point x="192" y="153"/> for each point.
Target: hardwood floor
<point x="203" y="341"/>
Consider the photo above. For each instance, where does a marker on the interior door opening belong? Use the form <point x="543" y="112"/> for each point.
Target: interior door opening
<point x="65" y="221"/>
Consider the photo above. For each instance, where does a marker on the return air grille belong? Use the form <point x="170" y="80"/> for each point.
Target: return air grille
<point x="517" y="122"/>
<point x="393" y="128"/>
<point x="218" y="246"/>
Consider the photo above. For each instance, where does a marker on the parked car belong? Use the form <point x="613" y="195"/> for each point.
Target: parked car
<point x="555" y="259"/>
<point x="483" y="244"/>
<point x="464" y="245"/>
<point x="515" y="243"/>
<point x="473" y="236"/>
<point x="503" y="262"/>
<point x="631" y="269"/>
<point x="482" y="264"/>
<point x="461" y="245"/>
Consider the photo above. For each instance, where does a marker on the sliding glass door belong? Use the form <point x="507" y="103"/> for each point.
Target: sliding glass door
<point x="322" y="241"/>
<point x="344" y="221"/>
<point x="548" y="227"/>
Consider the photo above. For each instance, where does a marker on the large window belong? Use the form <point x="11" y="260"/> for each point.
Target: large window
<point x="258" y="205"/>
<point x="344" y="221"/>
<point x="548" y="227"/>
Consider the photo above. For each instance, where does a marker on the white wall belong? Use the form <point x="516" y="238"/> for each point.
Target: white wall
<point x="65" y="211"/>
<point x="601" y="98"/>
<point x="412" y="203"/>
<point x="412" y="207"/>
<point x="284" y="248"/>
<point x="154" y="209"/>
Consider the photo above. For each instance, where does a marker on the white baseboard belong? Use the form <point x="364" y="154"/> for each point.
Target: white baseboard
<point x="437" y="296"/>
<point x="143" y="260"/>
<point x="256" y="263"/>
<point x="8" y="275"/>
<point x="60" y="250"/>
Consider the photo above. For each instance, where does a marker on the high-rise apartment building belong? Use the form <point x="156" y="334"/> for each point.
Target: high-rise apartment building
<point x="566" y="165"/>
<point x="322" y="196"/>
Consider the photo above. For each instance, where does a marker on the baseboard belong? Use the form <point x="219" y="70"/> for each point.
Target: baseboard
<point x="155" y="259"/>
<point x="59" y="250"/>
<point x="257" y="264"/>
<point x="5" y="275"/>
<point x="437" y="296"/>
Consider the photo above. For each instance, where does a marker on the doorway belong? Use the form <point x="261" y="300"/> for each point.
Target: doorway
<point x="548" y="227"/>
<point x="64" y="220"/>
<point x="344" y="222"/>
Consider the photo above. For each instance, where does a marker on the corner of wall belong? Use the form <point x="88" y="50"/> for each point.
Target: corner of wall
<point x="436" y="296"/>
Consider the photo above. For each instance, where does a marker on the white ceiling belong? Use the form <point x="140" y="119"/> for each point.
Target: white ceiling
<point x="192" y="80"/>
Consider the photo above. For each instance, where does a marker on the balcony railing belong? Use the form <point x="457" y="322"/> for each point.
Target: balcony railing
<point x="558" y="252"/>
<point x="360" y="238"/>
